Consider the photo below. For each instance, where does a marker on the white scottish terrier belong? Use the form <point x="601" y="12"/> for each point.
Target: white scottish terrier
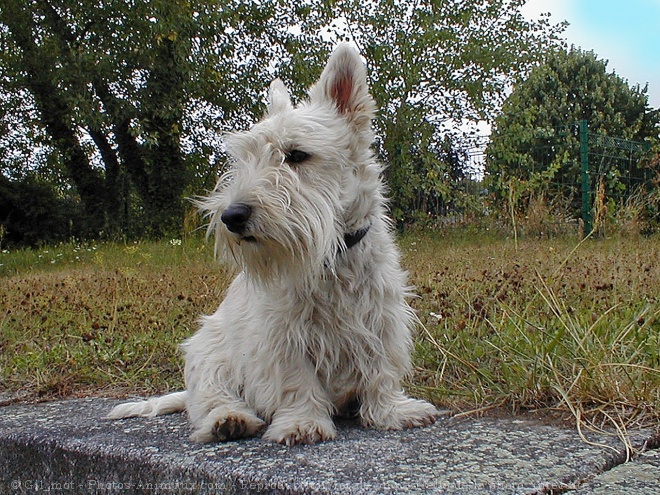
<point x="316" y="324"/>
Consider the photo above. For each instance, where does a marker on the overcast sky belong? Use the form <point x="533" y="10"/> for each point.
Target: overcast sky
<point x="624" y="32"/>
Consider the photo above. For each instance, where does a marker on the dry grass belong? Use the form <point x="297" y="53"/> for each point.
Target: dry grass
<point x="534" y="324"/>
<point x="108" y="323"/>
<point x="551" y="324"/>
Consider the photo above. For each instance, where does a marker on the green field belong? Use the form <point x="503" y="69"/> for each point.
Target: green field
<point x="552" y="325"/>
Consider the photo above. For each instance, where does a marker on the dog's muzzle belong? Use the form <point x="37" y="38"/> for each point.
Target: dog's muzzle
<point x="236" y="217"/>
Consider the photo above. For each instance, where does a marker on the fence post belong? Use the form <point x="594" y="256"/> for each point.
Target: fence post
<point x="586" y="180"/>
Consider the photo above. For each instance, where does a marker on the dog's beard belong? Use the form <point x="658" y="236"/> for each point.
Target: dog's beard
<point x="282" y="245"/>
<point x="289" y="261"/>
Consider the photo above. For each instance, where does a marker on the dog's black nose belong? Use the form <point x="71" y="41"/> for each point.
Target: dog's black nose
<point x="236" y="216"/>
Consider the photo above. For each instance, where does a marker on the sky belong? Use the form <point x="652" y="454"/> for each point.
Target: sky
<point x="624" y="32"/>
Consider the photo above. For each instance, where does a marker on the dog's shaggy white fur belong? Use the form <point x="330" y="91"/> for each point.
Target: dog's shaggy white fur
<point x="316" y="323"/>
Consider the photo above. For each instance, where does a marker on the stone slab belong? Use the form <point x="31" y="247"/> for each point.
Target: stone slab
<point x="66" y="447"/>
<point x="641" y="476"/>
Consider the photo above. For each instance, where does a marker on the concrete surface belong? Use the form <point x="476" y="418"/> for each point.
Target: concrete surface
<point x="640" y="477"/>
<point x="65" y="447"/>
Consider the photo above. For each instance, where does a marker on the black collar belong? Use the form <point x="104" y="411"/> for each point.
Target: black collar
<point x="353" y="238"/>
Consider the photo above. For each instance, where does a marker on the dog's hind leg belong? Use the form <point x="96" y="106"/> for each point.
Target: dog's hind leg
<point x="167" y="404"/>
<point x="385" y="406"/>
<point x="393" y="410"/>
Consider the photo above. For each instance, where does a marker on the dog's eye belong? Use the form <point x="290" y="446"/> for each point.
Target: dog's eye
<point x="297" y="156"/>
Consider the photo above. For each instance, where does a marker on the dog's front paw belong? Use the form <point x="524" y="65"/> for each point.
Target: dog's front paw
<point x="408" y="413"/>
<point x="230" y="427"/>
<point x="296" y="431"/>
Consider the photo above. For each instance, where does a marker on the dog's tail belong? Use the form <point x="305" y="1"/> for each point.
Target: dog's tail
<point x="167" y="404"/>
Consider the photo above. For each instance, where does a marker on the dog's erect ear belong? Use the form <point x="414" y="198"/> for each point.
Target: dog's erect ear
<point x="344" y="84"/>
<point x="278" y="97"/>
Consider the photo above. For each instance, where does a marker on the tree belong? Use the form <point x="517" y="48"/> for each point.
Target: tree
<point x="435" y="66"/>
<point x="533" y="142"/>
<point x="129" y="96"/>
<point x="121" y="102"/>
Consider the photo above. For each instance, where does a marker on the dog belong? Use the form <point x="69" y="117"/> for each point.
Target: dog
<point x="316" y="324"/>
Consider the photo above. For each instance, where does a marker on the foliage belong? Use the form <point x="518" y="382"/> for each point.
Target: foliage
<point x="37" y="213"/>
<point x="534" y="148"/>
<point x="121" y="102"/>
<point x="125" y="99"/>
<point x="434" y="66"/>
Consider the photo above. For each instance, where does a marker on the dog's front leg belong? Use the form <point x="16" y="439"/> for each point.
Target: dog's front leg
<point x="217" y="416"/>
<point x="304" y="411"/>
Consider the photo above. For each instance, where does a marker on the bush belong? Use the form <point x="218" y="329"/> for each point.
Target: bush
<point x="32" y="213"/>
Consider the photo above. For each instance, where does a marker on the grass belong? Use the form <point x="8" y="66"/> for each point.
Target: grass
<point x="104" y="319"/>
<point x="554" y="325"/>
<point x="551" y="325"/>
